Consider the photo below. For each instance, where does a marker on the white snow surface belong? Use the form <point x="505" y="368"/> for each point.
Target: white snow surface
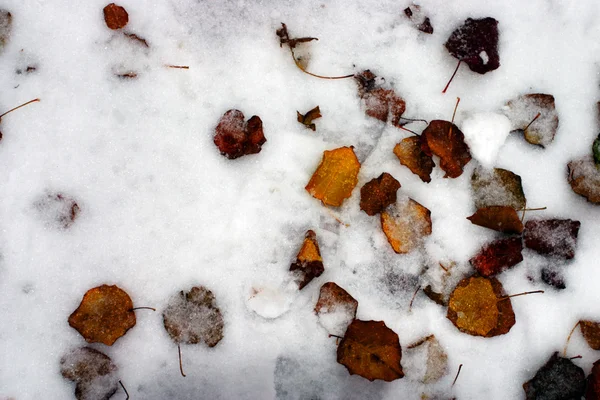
<point x="485" y="134"/>
<point x="161" y="210"/>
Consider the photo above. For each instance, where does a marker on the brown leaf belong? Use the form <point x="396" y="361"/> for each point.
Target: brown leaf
<point x="584" y="178"/>
<point x="411" y="155"/>
<point x="591" y="333"/>
<point x="115" y="16"/>
<point x="378" y="193"/>
<point x="499" y="218"/>
<point x="592" y="391"/>
<point x="556" y="237"/>
<point x="104" y="315"/>
<point x="234" y="138"/>
<point x="336" y="308"/>
<point x="446" y="141"/>
<point x="284" y="37"/>
<point x="307" y="119"/>
<point x="498" y="255"/>
<point x="497" y="187"/>
<point x="193" y="317"/>
<point x="371" y="350"/>
<point x="93" y="372"/>
<point x="522" y="110"/>
<point x="434" y="296"/>
<point x="405" y="224"/>
<point x="379" y="102"/>
<point x="478" y="306"/>
<point x="335" y="177"/>
<point x="308" y="264"/>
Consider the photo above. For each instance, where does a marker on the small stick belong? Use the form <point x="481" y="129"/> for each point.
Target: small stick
<point x="573" y="358"/>
<point x="569" y="338"/>
<point x="408" y="130"/>
<point x="457" y="373"/>
<point x="532" y="209"/>
<point x="414" y="120"/>
<point x="17" y="107"/>
<point x="180" y="364"/>
<point x="455" y="107"/>
<point x="178" y="66"/>
<point x="125" y="390"/>
<point x="413" y="298"/>
<point x="335" y="336"/>
<point x="532" y="121"/>
<point x="143" y="308"/>
<point x="520" y="294"/>
<point x="452" y="77"/>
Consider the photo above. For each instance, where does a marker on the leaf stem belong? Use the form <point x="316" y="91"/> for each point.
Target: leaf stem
<point x="520" y="294"/>
<point x="569" y="338"/>
<point x="17" y="107"/>
<point x="125" y="390"/>
<point x="143" y="308"/>
<point x="457" y="373"/>
<point x="452" y="77"/>
<point x="532" y="121"/>
<point x="180" y="363"/>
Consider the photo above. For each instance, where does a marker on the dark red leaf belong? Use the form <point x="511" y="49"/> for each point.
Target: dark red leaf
<point x="234" y="138"/>
<point x="498" y="256"/>
<point x="115" y="16"/>
<point x="378" y="193"/>
<point x="556" y="237"/>
<point x="476" y="43"/>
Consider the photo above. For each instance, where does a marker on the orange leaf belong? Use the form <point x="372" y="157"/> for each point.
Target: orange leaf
<point x="115" y="16"/>
<point x="499" y="218"/>
<point x="446" y="141"/>
<point x="336" y="176"/>
<point x="405" y="224"/>
<point x="378" y="193"/>
<point x="372" y="350"/>
<point x="411" y="155"/>
<point x="309" y="263"/>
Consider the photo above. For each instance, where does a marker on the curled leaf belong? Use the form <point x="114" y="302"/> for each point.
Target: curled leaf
<point x="499" y="218"/>
<point x="411" y="155"/>
<point x="559" y="378"/>
<point x="336" y="308"/>
<point x="591" y="333"/>
<point x="234" y="138"/>
<point x="535" y="115"/>
<point x="584" y="178"/>
<point x="475" y="42"/>
<point x="93" y="372"/>
<point x="379" y="102"/>
<point x="498" y="255"/>
<point x="378" y="193"/>
<point x="308" y="118"/>
<point x="115" y="16"/>
<point x="405" y="224"/>
<point x="556" y="237"/>
<point x="497" y="187"/>
<point x="446" y="141"/>
<point x="308" y="264"/>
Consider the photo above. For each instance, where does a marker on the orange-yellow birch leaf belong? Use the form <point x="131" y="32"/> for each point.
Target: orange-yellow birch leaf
<point x="308" y="264"/>
<point x="405" y="224"/>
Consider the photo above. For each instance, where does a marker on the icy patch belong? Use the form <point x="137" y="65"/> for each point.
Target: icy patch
<point x="485" y="134"/>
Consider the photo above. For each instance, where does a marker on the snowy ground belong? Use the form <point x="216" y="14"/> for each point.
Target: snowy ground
<point x="162" y="210"/>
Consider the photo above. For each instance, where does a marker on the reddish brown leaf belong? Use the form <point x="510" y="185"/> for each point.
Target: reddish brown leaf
<point x="592" y="391"/>
<point x="378" y="193"/>
<point x="584" y="178"/>
<point x="498" y="255"/>
<point x="535" y="116"/>
<point x="104" y="315"/>
<point x="335" y="308"/>
<point x="93" y="372"/>
<point x="115" y="16"/>
<point x="193" y="317"/>
<point x="499" y="218"/>
<point x="591" y="333"/>
<point x="446" y="141"/>
<point x="308" y="264"/>
<point x="555" y="237"/>
<point x="234" y="138"/>
<point x="411" y="155"/>
<point x="476" y="43"/>
<point x="308" y="118"/>
<point x="335" y="177"/>
<point x="558" y="379"/>
<point x="372" y="350"/>
<point x="379" y="102"/>
<point x="405" y="224"/>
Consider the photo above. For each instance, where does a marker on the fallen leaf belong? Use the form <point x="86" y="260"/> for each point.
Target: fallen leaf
<point x="378" y="193"/>
<point x="584" y="178"/>
<point x="193" y="317"/>
<point x="115" y="16"/>
<point x="476" y="43"/>
<point x="284" y="37"/>
<point x="5" y="28"/>
<point x="524" y="109"/>
<point x="498" y="255"/>
<point x="558" y="379"/>
<point x="555" y="237"/>
<point x="372" y="350"/>
<point x="104" y="315"/>
<point x="497" y="187"/>
<point x="58" y="209"/>
<point x="428" y="359"/>
<point x="234" y="138"/>
<point x="438" y="298"/>
<point x="379" y="102"/>
<point x="411" y="155"/>
<point x="405" y="224"/>
<point x="308" y="264"/>
<point x="499" y="218"/>
<point x="446" y="141"/>
<point x="414" y="13"/>
<point x="335" y="177"/>
<point x="591" y="333"/>
<point x="336" y="308"/>
<point x="308" y="118"/>
<point x="592" y="391"/>
<point x="94" y="373"/>
<point x="478" y="306"/>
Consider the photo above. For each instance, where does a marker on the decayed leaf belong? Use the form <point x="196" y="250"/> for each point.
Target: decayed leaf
<point x="58" y="209"/>
<point x="411" y="155"/>
<point x="5" y="28"/>
<point x="372" y="350"/>
<point x="284" y="38"/>
<point x="592" y="391"/>
<point x="524" y="109"/>
<point x="415" y="14"/>
<point x="499" y="218"/>
<point x="551" y="276"/>
<point x="558" y="379"/>
<point x="498" y="187"/>
<point x="93" y="372"/>
<point x="438" y="298"/>
<point x="308" y="264"/>
<point x="476" y="43"/>
<point x="308" y="118"/>
<point x="335" y="177"/>
<point x="379" y="102"/>
<point x="378" y="193"/>
<point x="556" y="237"/>
<point x="104" y="315"/>
<point x="428" y="358"/>
<point x="591" y="333"/>
<point x="498" y="255"/>
<point x="115" y="16"/>
<point x="478" y="306"/>
<point x="335" y="308"/>
<point x="234" y="138"/>
<point x="193" y="317"/>
<point x="405" y="224"/>
<point x="446" y="141"/>
<point x="584" y="178"/>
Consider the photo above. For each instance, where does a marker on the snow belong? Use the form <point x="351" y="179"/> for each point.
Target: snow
<point x="160" y="210"/>
<point x="485" y="134"/>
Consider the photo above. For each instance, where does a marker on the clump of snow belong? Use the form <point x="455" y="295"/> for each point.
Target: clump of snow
<point x="485" y="134"/>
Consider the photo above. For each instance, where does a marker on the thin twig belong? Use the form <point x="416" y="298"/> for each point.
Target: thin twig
<point x="178" y="66"/>
<point x="413" y="298"/>
<point x="520" y="294"/>
<point x="569" y="338"/>
<point x="457" y="373"/>
<point x="180" y="364"/>
<point x="125" y="390"/>
<point x="143" y="308"/>
<point x="17" y="107"/>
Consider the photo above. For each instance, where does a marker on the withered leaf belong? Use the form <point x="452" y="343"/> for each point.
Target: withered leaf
<point x="104" y="315"/>
<point x="335" y="177"/>
<point x="308" y="264"/>
<point x="556" y="237"/>
<point x="411" y="155"/>
<point x="497" y="187"/>
<point x="498" y="255"/>
<point x="427" y="353"/>
<point x="93" y="372"/>
<point x="524" y="109"/>
<point x="236" y="138"/>
<point x="414" y="12"/>
<point x="379" y="102"/>
<point x="405" y="224"/>
<point x="435" y="296"/>
<point x="591" y="333"/>
<point x="476" y="43"/>
<point x="372" y="350"/>
<point x="308" y="118"/>
<point x="478" y="306"/>
<point x="584" y="178"/>
<point x="336" y="308"/>
<point x="446" y="141"/>
<point x="558" y="379"/>
<point x="592" y="391"/>
<point x="115" y="16"/>
<point x="284" y="37"/>
<point x="499" y="218"/>
<point x="193" y="317"/>
<point x="378" y="193"/>
<point x="5" y="28"/>
<point x="58" y="209"/>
